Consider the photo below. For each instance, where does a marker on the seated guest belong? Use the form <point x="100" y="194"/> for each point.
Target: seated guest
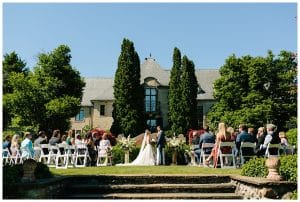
<point x="252" y="135"/>
<point x="42" y="139"/>
<point x="104" y="144"/>
<point x="14" y="147"/>
<point x="7" y="142"/>
<point x="243" y="137"/>
<point x="260" y="141"/>
<point x="271" y="138"/>
<point x="283" y="139"/>
<point x="207" y="137"/>
<point x="91" y="148"/>
<point x="222" y="136"/>
<point x="27" y="146"/>
<point x="78" y="139"/>
<point x="64" y="140"/>
<point x="55" y="139"/>
<point x="70" y="139"/>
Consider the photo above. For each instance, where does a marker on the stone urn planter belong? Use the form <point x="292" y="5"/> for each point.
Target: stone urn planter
<point x="273" y="164"/>
<point x="174" y="157"/>
<point x="29" y="166"/>
<point x="126" y="156"/>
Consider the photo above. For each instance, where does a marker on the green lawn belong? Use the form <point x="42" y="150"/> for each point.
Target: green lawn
<point x="111" y="170"/>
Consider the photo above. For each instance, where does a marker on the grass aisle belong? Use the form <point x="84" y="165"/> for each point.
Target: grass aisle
<point x="147" y="170"/>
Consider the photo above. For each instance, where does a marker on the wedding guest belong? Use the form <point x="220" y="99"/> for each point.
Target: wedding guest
<point x="271" y="138"/>
<point x="55" y="139"/>
<point x="64" y="140"/>
<point x="42" y="139"/>
<point x="14" y="147"/>
<point x="70" y="139"/>
<point x="260" y="141"/>
<point x="222" y="136"/>
<point x="78" y="139"/>
<point x="207" y="137"/>
<point x="252" y="135"/>
<point x="283" y="139"/>
<point x="91" y="148"/>
<point x="27" y="146"/>
<point x="7" y="142"/>
<point x="243" y="137"/>
<point x="104" y="144"/>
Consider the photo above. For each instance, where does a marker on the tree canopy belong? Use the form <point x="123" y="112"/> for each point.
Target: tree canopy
<point x="49" y="96"/>
<point x="128" y="111"/>
<point x="256" y="91"/>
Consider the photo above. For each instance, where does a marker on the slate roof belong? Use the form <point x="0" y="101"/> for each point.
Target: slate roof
<point x="102" y="88"/>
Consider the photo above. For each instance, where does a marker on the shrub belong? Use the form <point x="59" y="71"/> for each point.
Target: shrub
<point x="292" y="136"/>
<point x="255" y="168"/>
<point x="288" y="167"/>
<point x="42" y="171"/>
<point x="119" y="154"/>
<point x="12" y="173"/>
<point x="294" y="196"/>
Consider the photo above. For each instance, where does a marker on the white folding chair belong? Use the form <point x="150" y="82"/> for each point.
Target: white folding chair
<point x="203" y="148"/>
<point x="251" y="146"/>
<point x="16" y="159"/>
<point x="81" y="155"/>
<point x="71" y="152"/>
<point x="227" y="157"/>
<point x="45" y="153"/>
<point x="273" y="146"/>
<point x="104" y="156"/>
<point x="6" y="156"/>
<point x="37" y="153"/>
<point x="61" y="160"/>
<point x="52" y="156"/>
<point x="286" y="150"/>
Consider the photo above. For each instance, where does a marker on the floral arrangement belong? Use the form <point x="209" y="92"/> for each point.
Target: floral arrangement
<point x="175" y="142"/>
<point x="127" y="143"/>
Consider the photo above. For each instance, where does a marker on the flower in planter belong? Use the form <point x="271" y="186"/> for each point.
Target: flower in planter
<point x="127" y="143"/>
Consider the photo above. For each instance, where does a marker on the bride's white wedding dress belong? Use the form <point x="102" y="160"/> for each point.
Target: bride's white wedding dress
<point x="146" y="156"/>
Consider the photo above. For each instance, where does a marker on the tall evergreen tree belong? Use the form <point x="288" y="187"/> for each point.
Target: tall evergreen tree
<point x="175" y="115"/>
<point x="189" y="89"/>
<point x="128" y="92"/>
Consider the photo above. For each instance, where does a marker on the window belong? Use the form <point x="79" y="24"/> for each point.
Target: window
<point x="102" y="110"/>
<point x="151" y="124"/>
<point x="200" y="115"/>
<point x="150" y="100"/>
<point x="80" y="115"/>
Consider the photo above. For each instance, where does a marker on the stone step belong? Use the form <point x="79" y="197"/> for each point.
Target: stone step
<point x="150" y="179"/>
<point x="154" y="188"/>
<point x="155" y="196"/>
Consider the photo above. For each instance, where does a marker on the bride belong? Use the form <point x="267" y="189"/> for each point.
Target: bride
<point x="146" y="156"/>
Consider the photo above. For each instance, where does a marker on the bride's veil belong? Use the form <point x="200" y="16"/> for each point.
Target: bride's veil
<point x="136" y="161"/>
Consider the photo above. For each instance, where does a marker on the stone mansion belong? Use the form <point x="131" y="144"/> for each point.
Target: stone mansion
<point x="98" y="98"/>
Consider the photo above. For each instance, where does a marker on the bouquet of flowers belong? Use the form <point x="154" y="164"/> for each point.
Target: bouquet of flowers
<point x="127" y="143"/>
<point x="175" y="142"/>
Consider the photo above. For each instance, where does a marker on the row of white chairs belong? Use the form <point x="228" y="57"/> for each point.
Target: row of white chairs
<point x="229" y="160"/>
<point x="62" y="156"/>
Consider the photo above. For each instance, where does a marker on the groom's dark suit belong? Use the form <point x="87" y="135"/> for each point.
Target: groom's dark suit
<point x="161" y="141"/>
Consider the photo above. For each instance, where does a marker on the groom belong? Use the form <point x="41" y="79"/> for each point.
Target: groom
<point x="161" y="141"/>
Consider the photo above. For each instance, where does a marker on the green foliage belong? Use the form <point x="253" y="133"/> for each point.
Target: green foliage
<point x="189" y="89"/>
<point x="292" y="136"/>
<point x="294" y="196"/>
<point x="175" y="117"/>
<point x="12" y="173"/>
<point x="49" y="96"/>
<point x="11" y="63"/>
<point x="255" y="167"/>
<point x="128" y="114"/>
<point x="288" y="167"/>
<point x="242" y="94"/>
<point x="42" y="171"/>
<point x="119" y="154"/>
<point x="86" y="129"/>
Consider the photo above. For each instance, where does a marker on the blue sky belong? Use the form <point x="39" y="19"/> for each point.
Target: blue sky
<point x="206" y="32"/>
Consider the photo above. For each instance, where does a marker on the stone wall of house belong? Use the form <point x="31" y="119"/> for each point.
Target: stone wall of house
<point x="78" y="125"/>
<point x="207" y="104"/>
<point x="102" y="121"/>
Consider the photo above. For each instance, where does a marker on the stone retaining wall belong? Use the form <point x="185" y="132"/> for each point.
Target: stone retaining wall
<point x="262" y="188"/>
